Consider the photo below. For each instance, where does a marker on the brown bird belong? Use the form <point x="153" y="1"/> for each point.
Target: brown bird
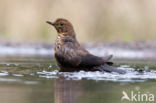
<point x="71" y="56"/>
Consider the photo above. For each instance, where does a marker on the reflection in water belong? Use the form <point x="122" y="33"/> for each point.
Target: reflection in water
<point x="67" y="91"/>
<point x="34" y="81"/>
<point x="86" y="91"/>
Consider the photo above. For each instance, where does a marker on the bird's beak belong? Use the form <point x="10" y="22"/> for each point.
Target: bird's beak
<point x="51" y="23"/>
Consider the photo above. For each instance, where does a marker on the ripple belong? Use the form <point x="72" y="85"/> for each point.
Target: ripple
<point x="3" y="73"/>
<point x="131" y="75"/>
<point x="18" y="75"/>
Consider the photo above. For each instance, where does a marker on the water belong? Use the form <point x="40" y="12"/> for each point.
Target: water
<point x="37" y="80"/>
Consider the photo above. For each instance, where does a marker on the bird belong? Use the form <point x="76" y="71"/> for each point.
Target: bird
<point x="71" y="56"/>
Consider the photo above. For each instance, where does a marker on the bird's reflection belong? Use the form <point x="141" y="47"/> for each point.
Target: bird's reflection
<point x="67" y="91"/>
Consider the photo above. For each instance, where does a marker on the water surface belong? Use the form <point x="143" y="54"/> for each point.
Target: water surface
<point x="37" y="80"/>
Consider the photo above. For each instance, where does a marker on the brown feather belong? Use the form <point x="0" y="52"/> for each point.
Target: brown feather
<point x="69" y="54"/>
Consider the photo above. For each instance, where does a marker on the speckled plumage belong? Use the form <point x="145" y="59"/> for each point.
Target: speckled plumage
<point x="70" y="55"/>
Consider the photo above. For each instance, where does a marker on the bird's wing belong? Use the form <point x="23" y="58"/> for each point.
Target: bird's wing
<point x="81" y="59"/>
<point x="90" y="60"/>
<point x="68" y="60"/>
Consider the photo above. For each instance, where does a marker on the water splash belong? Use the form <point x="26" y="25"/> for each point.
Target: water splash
<point x="131" y="76"/>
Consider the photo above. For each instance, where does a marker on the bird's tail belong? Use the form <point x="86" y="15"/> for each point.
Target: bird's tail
<point x="108" y="68"/>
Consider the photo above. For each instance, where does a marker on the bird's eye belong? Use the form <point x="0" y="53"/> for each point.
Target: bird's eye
<point x="61" y="24"/>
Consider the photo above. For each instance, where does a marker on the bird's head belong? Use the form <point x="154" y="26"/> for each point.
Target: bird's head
<point x="63" y="27"/>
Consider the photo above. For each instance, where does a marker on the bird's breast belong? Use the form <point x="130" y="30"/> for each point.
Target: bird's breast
<point x="62" y="48"/>
<point x="66" y="49"/>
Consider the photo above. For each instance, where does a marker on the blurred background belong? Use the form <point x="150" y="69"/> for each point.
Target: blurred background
<point x="100" y="20"/>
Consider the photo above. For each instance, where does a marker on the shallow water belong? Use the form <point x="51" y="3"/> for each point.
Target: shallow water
<point x="37" y="80"/>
